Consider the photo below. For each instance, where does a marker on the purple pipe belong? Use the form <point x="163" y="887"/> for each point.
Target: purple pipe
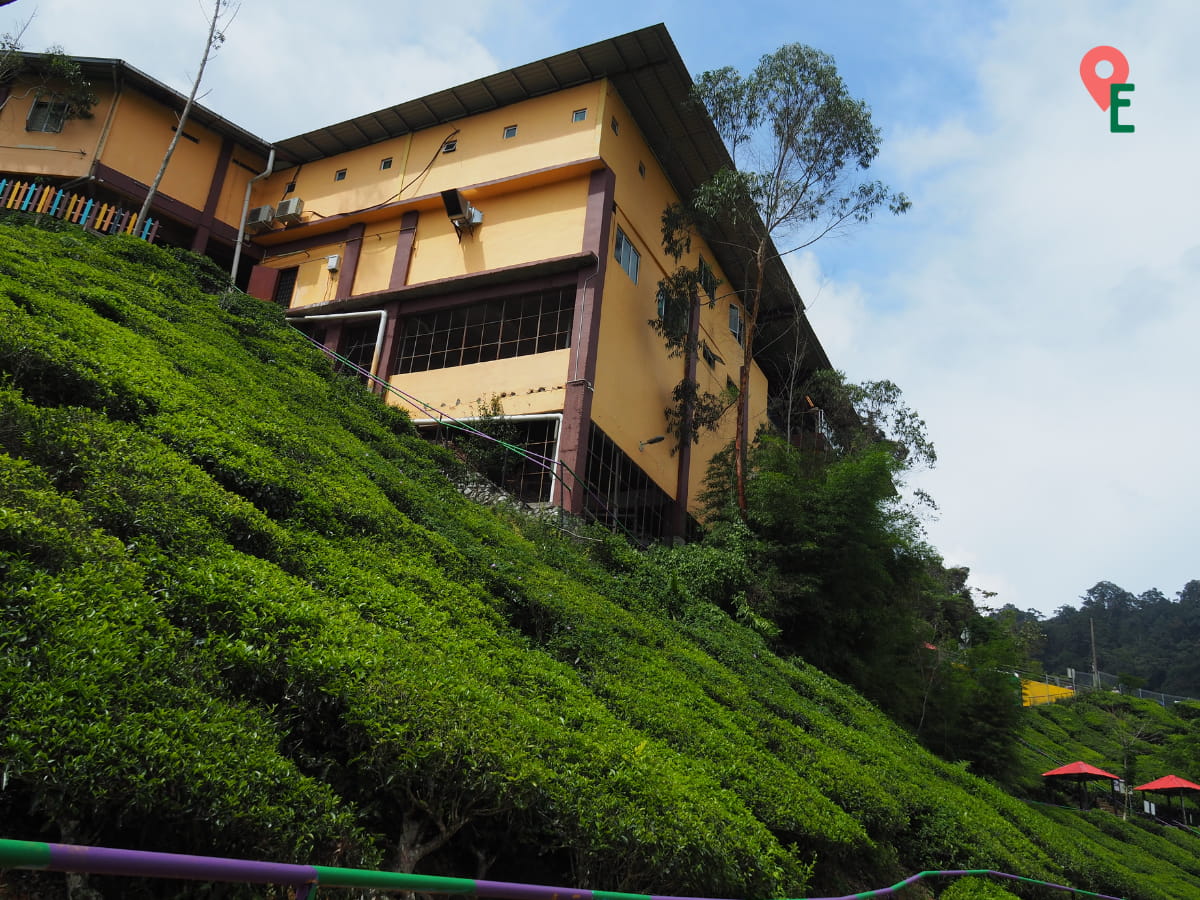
<point x="107" y="861"/>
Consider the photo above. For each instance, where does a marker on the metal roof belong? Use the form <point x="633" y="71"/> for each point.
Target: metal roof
<point x="119" y="72"/>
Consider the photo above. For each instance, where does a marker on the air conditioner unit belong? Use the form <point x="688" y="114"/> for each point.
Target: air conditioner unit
<point x="260" y="218"/>
<point x="289" y="210"/>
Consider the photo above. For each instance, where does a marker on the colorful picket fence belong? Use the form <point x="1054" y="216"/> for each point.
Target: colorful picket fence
<point x="44" y="199"/>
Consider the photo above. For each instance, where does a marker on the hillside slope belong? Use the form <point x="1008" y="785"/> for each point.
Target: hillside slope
<point x="244" y="612"/>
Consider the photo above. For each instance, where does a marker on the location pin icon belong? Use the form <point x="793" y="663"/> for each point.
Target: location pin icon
<point x="1099" y="87"/>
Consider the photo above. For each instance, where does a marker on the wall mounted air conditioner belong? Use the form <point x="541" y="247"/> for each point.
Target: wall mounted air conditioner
<point x="289" y="210"/>
<point x="260" y="218"/>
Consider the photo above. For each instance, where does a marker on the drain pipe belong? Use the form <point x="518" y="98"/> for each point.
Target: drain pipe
<point x="557" y="418"/>
<point x="365" y="314"/>
<point x="237" y="248"/>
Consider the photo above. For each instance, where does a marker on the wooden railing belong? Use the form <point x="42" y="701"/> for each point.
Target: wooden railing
<point x="43" y="199"/>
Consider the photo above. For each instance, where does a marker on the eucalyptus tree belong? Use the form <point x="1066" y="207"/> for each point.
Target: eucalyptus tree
<point x="797" y="140"/>
<point x="221" y="10"/>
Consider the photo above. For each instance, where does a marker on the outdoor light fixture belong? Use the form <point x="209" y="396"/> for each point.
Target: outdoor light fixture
<point x="462" y="214"/>
<point x="657" y="439"/>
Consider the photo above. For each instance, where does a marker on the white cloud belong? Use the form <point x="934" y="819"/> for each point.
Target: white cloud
<point x="1041" y="310"/>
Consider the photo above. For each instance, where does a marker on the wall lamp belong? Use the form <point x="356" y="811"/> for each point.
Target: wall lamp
<point x="462" y="214"/>
<point x="657" y="439"/>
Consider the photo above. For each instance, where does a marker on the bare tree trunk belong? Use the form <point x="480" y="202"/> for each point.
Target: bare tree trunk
<point x="213" y="37"/>
<point x="741" y="438"/>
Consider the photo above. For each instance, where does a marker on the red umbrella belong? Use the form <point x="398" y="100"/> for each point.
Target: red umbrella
<point x="1171" y="786"/>
<point x="1080" y="772"/>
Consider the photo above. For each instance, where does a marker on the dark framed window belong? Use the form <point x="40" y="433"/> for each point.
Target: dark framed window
<point x="708" y="280"/>
<point x="521" y="325"/>
<point x="46" y="115"/>
<point x="627" y="255"/>
<point x="357" y="345"/>
<point x="527" y="474"/>
<point x="385" y="164"/>
<point x="579" y="115"/>
<point x="285" y="286"/>
<point x="510" y="131"/>
<point x="339" y="175"/>
<point x="621" y="495"/>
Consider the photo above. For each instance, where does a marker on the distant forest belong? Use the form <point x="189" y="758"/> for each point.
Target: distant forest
<point x="1148" y="639"/>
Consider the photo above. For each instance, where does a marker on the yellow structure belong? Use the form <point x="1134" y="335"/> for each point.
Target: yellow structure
<point x="494" y="243"/>
<point x="1035" y="693"/>
<point x="112" y="154"/>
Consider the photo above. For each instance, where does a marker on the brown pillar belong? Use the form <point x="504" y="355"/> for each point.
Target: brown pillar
<point x="581" y="369"/>
<point x="216" y="185"/>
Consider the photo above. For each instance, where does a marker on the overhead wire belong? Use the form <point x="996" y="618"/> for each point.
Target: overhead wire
<point x="545" y="462"/>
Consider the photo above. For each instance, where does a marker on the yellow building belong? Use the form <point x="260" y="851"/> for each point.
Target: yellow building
<point x="495" y="242"/>
<point x="111" y="156"/>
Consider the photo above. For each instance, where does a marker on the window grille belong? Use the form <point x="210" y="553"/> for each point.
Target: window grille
<point x="496" y="329"/>
<point x="621" y="494"/>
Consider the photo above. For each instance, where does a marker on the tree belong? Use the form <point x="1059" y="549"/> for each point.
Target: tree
<point x="221" y="9"/>
<point x="802" y="137"/>
<point x="52" y="75"/>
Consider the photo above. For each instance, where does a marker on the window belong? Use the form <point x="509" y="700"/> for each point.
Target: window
<point x="642" y="169"/>
<point x="579" y="115"/>
<point x="522" y="325"/>
<point x="735" y="321"/>
<point x="627" y="255"/>
<point x="661" y="303"/>
<point x="385" y="164"/>
<point x="708" y="280"/>
<point x="46" y="115"/>
<point x="510" y="131"/>
<point x="449" y="146"/>
<point x="615" y="125"/>
<point x="709" y="357"/>
<point x="285" y="286"/>
<point x="357" y="346"/>
<point x="624" y="495"/>
<point x="291" y="186"/>
<point x="339" y="175"/>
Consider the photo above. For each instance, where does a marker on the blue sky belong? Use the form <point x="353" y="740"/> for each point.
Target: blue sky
<point x="1038" y="306"/>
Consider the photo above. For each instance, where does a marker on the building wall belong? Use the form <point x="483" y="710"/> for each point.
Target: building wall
<point x="533" y="191"/>
<point x="128" y="133"/>
<point x="65" y="154"/>
<point x="631" y="399"/>
<point x="531" y="188"/>
<point x="524" y="384"/>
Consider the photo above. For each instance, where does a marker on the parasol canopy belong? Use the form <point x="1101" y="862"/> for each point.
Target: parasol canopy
<point x="1080" y="771"/>
<point x="1169" y="784"/>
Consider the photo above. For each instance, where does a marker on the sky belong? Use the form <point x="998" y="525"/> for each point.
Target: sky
<point x="1037" y="305"/>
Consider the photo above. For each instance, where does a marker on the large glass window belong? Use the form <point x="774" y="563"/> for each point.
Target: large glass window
<point x="627" y="255"/>
<point x="497" y="329"/>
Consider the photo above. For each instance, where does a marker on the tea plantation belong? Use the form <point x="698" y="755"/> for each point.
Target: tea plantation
<point x="245" y="612"/>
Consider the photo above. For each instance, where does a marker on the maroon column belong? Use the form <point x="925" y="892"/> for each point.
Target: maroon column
<point x="405" y="241"/>
<point x="209" y="214"/>
<point x="349" y="265"/>
<point x="581" y="370"/>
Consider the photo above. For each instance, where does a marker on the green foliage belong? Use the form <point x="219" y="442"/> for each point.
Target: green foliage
<point x="1150" y="637"/>
<point x="244" y="612"/>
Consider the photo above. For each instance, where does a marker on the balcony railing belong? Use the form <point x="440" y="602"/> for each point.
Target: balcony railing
<point x="43" y="199"/>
